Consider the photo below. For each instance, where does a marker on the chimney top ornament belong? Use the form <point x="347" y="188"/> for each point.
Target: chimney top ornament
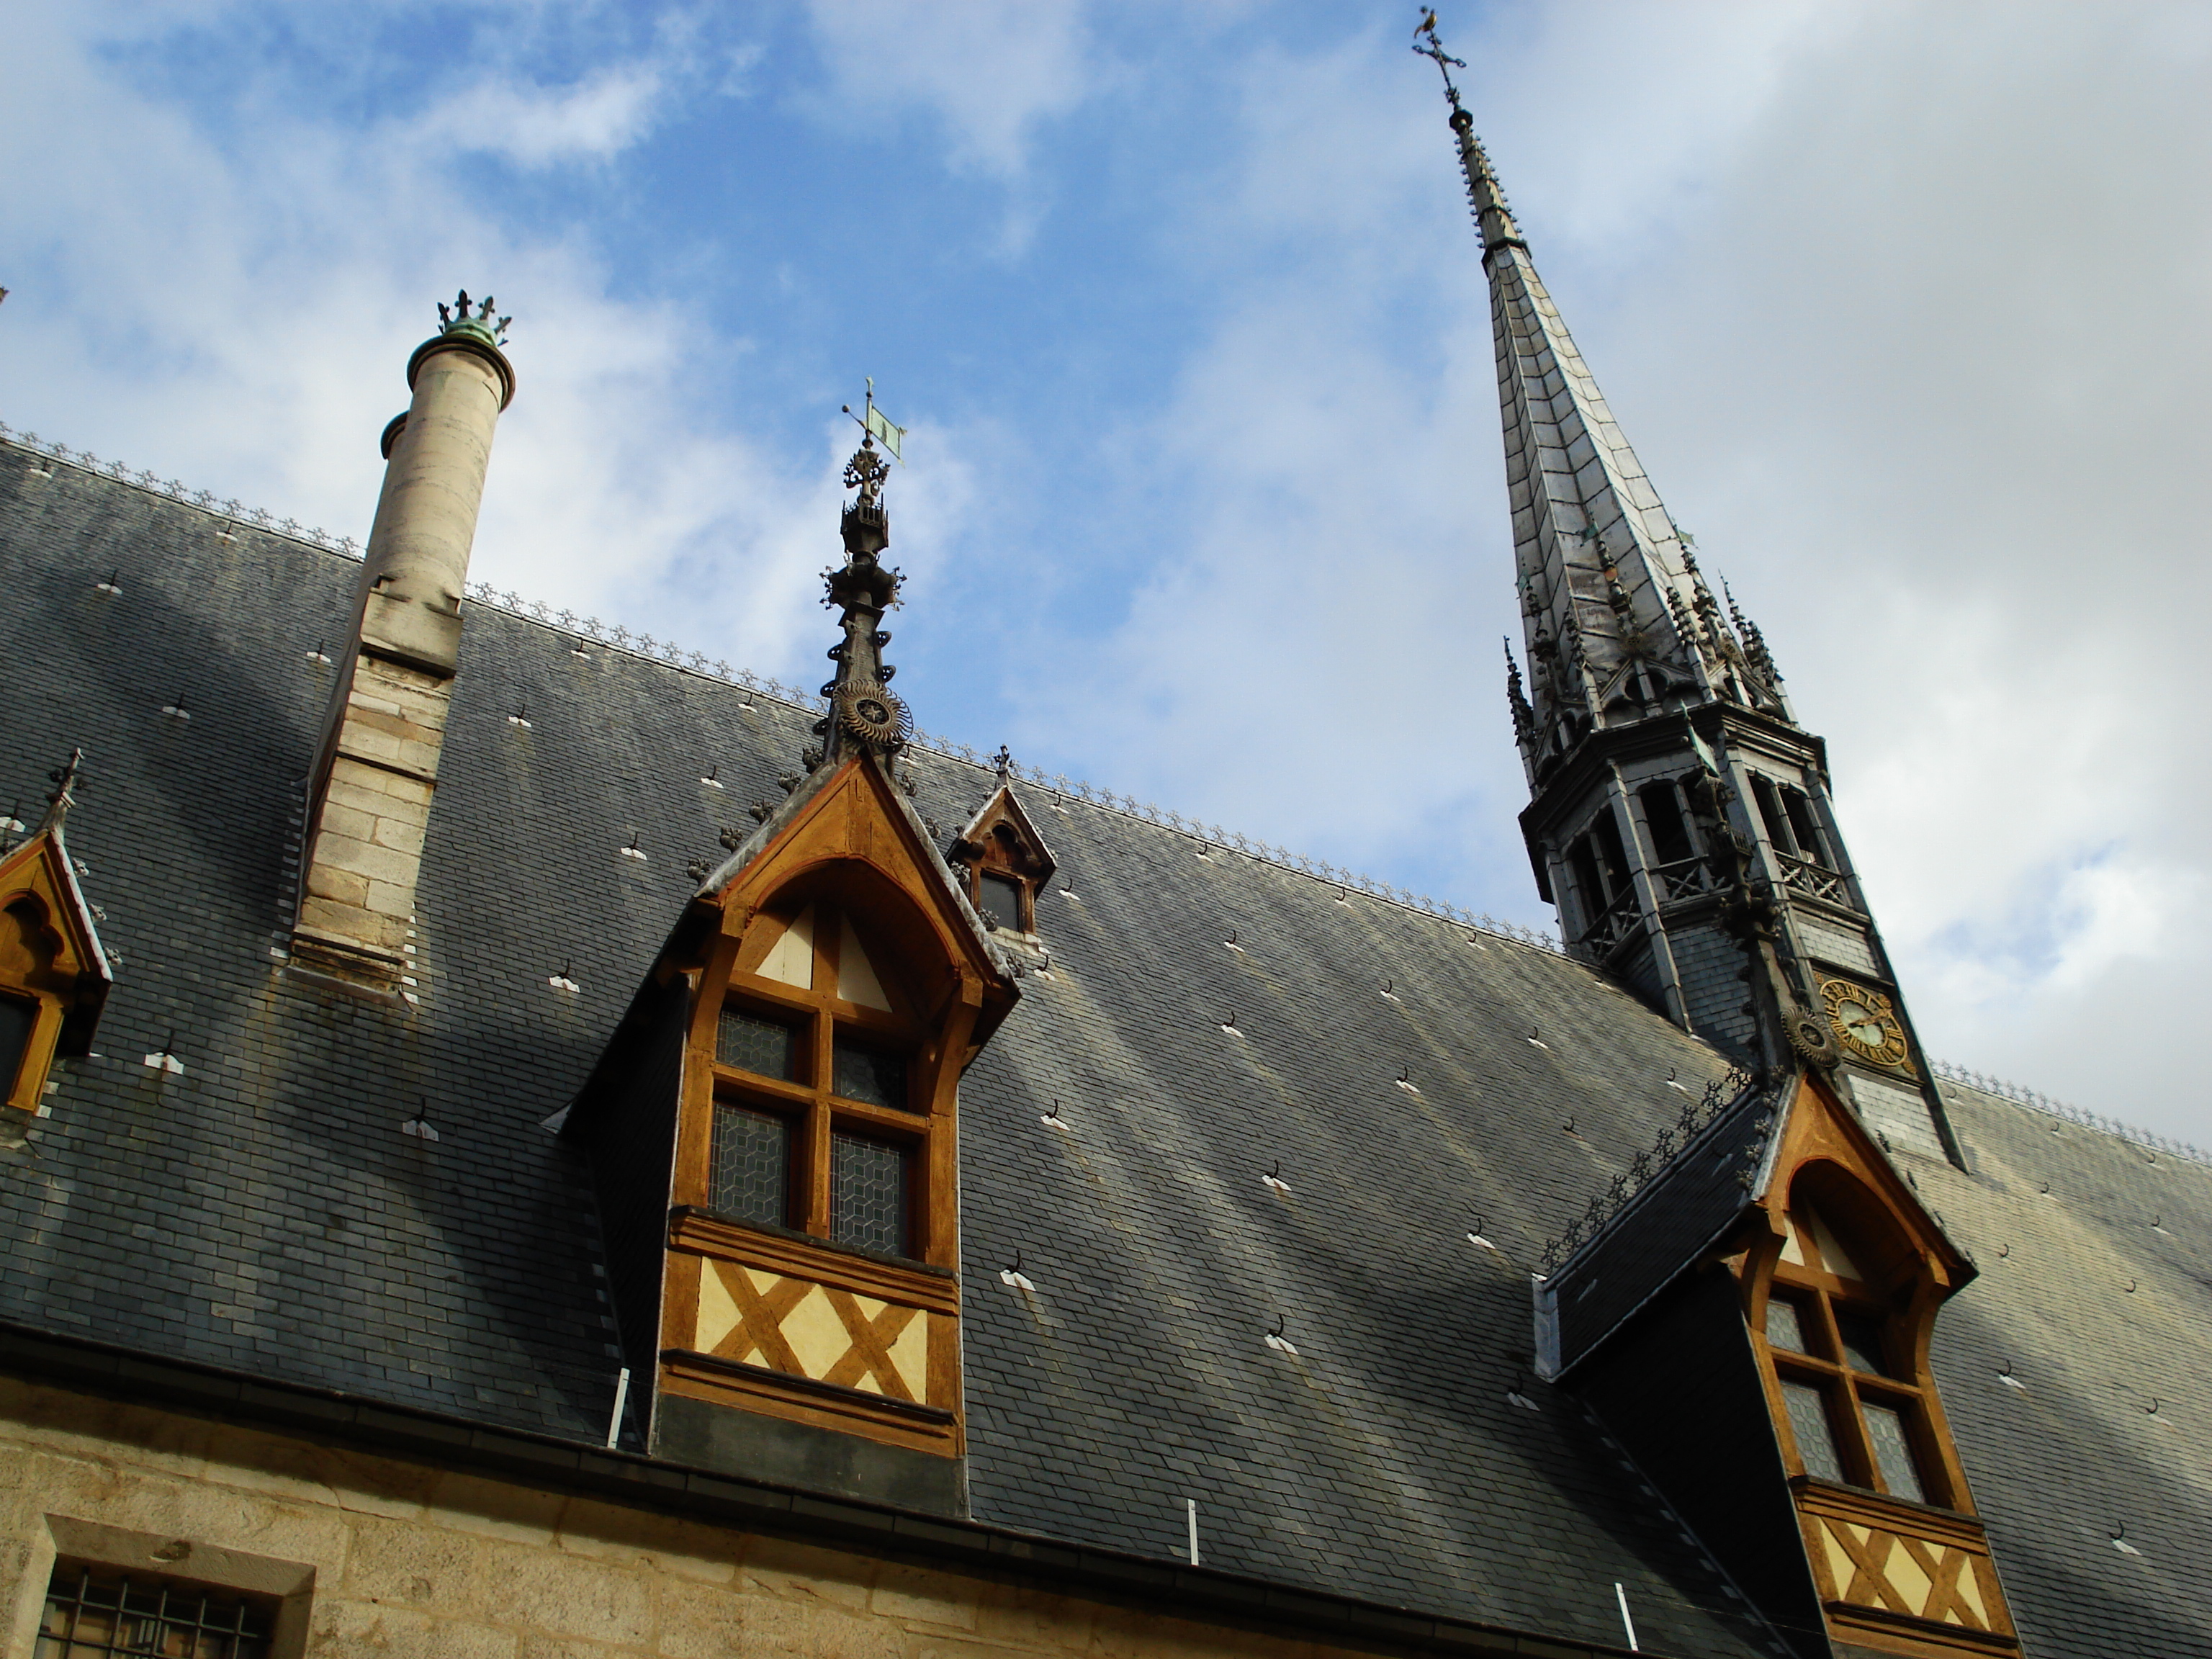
<point x="480" y="325"/>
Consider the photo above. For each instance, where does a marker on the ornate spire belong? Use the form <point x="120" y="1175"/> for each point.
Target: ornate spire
<point x="1606" y="582"/>
<point x="863" y="715"/>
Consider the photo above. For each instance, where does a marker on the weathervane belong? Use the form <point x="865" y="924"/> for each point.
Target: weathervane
<point x="1435" y="48"/>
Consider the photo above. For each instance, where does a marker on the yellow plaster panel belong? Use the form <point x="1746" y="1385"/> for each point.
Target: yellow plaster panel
<point x="1970" y="1591"/>
<point x="910" y="1356"/>
<point x="817" y="1337"/>
<point x="1907" y="1578"/>
<point x="717" y="1314"/>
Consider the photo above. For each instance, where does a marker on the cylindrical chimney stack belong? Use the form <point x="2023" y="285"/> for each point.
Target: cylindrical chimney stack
<point x="377" y="769"/>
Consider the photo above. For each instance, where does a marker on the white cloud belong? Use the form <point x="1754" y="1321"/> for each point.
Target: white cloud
<point x="988" y="71"/>
<point x="536" y="126"/>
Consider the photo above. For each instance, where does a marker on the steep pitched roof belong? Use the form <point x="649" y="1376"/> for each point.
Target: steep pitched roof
<point x="307" y="1238"/>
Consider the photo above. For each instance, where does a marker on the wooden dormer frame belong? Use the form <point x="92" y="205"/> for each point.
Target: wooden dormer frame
<point x="1894" y="1574"/>
<point x="1002" y="841"/>
<point x="775" y="1314"/>
<point x="51" y="958"/>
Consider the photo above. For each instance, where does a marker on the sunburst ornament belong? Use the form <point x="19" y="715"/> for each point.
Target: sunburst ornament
<point x="872" y="713"/>
<point x="1865" y="1022"/>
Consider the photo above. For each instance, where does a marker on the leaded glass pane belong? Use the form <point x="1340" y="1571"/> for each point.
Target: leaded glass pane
<point x="90" y="1615"/>
<point x="1892" y="1454"/>
<point x="1808" y="1421"/>
<point x="1002" y="903"/>
<point x="1861" y="1343"/>
<point x="875" y="1076"/>
<point x="767" y="1047"/>
<point x="867" y="1194"/>
<point x="1782" y="1329"/>
<point x="750" y="1173"/>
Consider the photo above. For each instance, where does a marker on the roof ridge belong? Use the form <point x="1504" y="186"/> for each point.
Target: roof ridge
<point x="2019" y="1095"/>
<point x="668" y="655"/>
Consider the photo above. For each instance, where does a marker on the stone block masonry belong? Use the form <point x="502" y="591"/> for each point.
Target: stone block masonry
<point x="401" y="1560"/>
<point x="357" y="901"/>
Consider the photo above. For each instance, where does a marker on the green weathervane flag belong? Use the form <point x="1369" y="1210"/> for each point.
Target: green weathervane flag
<point x="884" y="431"/>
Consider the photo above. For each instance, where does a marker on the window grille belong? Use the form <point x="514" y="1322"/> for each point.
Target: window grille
<point x="750" y="1177"/>
<point x="868" y="1193"/>
<point x="875" y="1077"/>
<point x="767" y="1047"/>
<point x="91" y="1613"/>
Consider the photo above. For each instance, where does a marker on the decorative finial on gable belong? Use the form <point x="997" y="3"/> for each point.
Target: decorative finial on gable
<point x="63" y="778"/>
<point x="480" y="324"/>
<point x="863" y="713"/>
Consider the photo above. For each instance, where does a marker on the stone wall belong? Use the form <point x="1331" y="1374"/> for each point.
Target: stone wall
<point x="393" y="1558"/>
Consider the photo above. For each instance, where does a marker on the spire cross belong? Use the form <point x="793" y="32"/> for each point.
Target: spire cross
<point x="1445" y="62"/>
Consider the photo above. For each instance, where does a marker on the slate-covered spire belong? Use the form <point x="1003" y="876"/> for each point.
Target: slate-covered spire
<point x="1679" y="816"/>
<point x="863" y="715"/>
<point x="1620" y="623"/>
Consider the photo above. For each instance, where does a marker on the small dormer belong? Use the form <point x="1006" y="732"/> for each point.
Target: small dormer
<point x="1007" y="863"/>
<point x="54" y="976"/>
<point x="1754" y="1321"/>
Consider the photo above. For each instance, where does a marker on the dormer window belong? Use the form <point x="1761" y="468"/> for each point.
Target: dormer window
<point x="814" y="1116"/>
<point x="1839" y="1336"/>
<point x="53" y="974"/>
<point x="1007" y="865"/>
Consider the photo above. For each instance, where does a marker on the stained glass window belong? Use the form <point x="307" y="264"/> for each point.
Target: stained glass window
<point x="868" y="1193"/>
<point x="874" y="1076"/>
<point x="1808" y="1422"/>
<point x="767" y="1047"/>
<point x="90" y="1614"/>
<point x="751" y="1164"/>
<point x="1782" y="1329"/>
<point x="1892" y="1454"/>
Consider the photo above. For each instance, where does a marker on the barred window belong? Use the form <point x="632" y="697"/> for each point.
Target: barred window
<point x="769" y="1047"/>
<point x="868" y="1193"/>
<point x="92" y="1612"/>
<point x="751" y="1176"/>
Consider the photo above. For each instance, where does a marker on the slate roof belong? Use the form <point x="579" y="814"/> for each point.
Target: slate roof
<point x="263" y="1210"/>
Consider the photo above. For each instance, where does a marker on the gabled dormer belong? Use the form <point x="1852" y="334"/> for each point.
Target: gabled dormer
<point x="54" y="975"/>
<point x="1007" y="863"/>
<point x="1754" y="1322"/>
<point x="774" y="1125"/>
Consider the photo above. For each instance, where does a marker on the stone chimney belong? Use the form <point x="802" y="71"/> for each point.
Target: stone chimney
<point x="377" y="769"/>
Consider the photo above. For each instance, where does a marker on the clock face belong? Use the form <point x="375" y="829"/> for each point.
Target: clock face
<point x="1865" y="1022"/>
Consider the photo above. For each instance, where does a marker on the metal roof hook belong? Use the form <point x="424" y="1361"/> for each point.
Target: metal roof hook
<point x="1569" y="1125"/>
<point x="1280" y="1323"/>
<point x="1479" y="1224"/>
<point x="1016" y="1266"/>
<point x="1276" y="1174"/>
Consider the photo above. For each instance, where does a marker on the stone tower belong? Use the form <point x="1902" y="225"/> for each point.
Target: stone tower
<point x="1679" y="815"/>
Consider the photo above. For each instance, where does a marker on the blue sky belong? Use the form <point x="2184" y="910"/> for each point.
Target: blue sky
<point x="1903" y="306"/>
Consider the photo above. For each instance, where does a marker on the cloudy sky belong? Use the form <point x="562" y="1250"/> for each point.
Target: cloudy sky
<point x="1904" y="307"/>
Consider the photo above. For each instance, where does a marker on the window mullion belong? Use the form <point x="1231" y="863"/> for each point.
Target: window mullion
<point x="817" y="1129"/>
